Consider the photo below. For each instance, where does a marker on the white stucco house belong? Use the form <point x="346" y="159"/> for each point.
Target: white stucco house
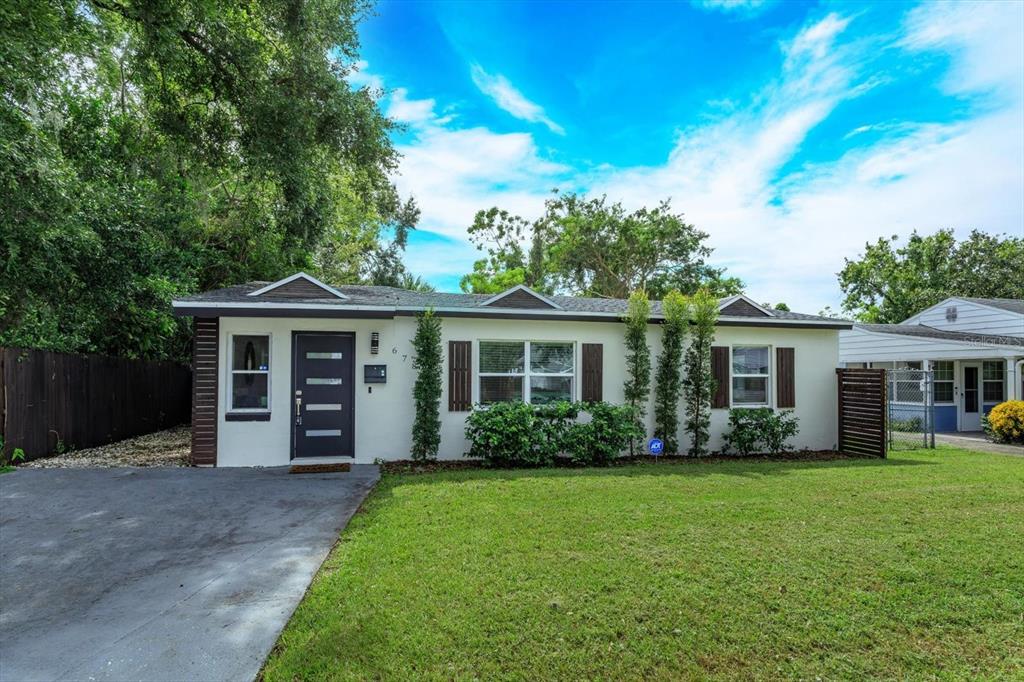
<point x="297" y="371"/>
<point x="974" y="346"/>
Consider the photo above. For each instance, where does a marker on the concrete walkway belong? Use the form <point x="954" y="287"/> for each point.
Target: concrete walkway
<point x="975" y="440"/>
<point x="162" y="573"/>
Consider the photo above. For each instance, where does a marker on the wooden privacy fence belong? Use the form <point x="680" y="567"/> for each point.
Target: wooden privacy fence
<point x="862" y="411"/>
<point x="51" y="401"/>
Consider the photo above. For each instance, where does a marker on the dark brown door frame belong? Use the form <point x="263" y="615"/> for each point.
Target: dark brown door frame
<point x="351" y="391"/>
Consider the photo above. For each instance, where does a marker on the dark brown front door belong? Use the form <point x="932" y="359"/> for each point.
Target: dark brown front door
<point x="323" y="400"/>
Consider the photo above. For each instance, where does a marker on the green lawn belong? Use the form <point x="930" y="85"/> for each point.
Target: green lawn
<point x="911" y="567"/>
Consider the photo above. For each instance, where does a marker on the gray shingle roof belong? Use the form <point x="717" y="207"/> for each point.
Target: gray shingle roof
<point x="363" y="295"/>
<point x="924" y="331"/>
<point x="1011" y="304"/>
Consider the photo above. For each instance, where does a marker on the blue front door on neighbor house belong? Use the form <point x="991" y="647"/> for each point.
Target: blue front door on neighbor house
<point x="323" y="408"/>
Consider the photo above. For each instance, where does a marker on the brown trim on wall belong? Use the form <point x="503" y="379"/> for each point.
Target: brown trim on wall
<point x="460" y="376"/>
<point x="786" y="383"/>
<point x="593" y="373"/>
<point x="205" y="354"/>
<point x="720" y="371"/>
<point x="247" y="417"/>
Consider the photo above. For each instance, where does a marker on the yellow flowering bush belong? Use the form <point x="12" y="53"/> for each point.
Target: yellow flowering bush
<point x="1005" y="423"/>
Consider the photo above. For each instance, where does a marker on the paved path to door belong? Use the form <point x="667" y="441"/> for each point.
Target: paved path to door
<point x="159" y="574"/>
<point x="975" y="440"/>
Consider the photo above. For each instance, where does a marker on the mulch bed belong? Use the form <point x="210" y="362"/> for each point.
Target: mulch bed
<point x="406" y="466"/>
<point x="163" y="448"/>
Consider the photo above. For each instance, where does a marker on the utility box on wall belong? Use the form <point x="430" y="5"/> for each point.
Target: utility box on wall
<point x="375" y="374"/>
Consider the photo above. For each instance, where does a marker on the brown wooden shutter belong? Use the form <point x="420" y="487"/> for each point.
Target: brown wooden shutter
<point x="460" y="376"/>
<point x="593" y="372"/>
<point x="205" y="351"/>
<point x="786" y="382"/>
<point x="720" y="371"/>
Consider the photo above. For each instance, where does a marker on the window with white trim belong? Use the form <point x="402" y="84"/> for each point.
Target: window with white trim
<point x="537" y="372"/>
<point x="249" y="379"/>
<point x="942" y="381"/>
<point x="751" y="378"/>
<point x="908" y="386"/>
<point x="993" y="381"/>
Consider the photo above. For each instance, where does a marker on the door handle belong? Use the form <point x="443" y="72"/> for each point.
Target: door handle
<point x="298" y="406"/>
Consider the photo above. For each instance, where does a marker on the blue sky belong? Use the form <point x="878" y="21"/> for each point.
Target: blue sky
<point x="790" y="132"/>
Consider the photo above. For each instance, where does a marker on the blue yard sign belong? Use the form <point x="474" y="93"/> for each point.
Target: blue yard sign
<point x="656" y="446"/>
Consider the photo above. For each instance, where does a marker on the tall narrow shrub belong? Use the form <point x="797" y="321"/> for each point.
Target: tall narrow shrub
<point x="638" y="361"/>
<point x="699" y="382"/>
<point x="667" y="389"/>
<point x="426" y="426"/>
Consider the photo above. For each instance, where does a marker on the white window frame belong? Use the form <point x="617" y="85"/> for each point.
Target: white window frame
<point x="1001" y="380"/>
<point x="917" y="385"/>
<point x="231" y="372"/>
<point x="951" y="381"/>
<point x="769" y="377"/>
<point x="526" y="374"/>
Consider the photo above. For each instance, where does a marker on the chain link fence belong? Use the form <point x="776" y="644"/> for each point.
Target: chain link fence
<point x="911" y="419"/>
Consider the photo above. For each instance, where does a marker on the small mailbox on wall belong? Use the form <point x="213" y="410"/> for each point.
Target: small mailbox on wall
<point x="375" y="374"/>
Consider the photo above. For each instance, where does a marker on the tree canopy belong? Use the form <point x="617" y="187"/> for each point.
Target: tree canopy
<point x="593" y="247"/>
<point x="889" y="283"/>
<point x="149" y="149"/>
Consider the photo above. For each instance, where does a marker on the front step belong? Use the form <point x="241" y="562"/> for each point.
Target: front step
<point x="320" y="465"/>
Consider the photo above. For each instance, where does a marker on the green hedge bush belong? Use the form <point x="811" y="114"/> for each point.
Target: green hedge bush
<point x="516" y="434"/>
<point x="610" y="431"/>
<point x="758" y="430"/>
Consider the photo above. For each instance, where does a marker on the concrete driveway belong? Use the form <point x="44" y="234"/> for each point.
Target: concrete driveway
<point x="159" y="574"/>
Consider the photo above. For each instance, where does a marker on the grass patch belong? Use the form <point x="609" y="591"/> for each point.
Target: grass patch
<point x="6" y="468"/>
<point x="907" y="567"/>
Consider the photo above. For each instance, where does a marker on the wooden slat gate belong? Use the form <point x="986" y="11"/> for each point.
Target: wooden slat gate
<point x="862" y="411"/>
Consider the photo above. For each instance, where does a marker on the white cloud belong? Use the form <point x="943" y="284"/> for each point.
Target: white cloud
<point x="359" y="77"/>
<point x="508" y="98"/>
<point x="454" y="172"/>
<point x="748" y="7"/>
<point x="785" y="232"/>
<point x="415" y="112"/>
<point x="787" y="237"/>
<point x="983" y="37"/>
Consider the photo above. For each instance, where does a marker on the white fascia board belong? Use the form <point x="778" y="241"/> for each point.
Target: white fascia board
<point x="932" y="340"/>
<point x="476" y="311"/>
<point x="299" y="275"/>
<point x="521" y="287"/>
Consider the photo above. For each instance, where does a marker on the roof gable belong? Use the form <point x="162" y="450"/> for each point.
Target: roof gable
<point x="1007" y="305"/>
<point x="520" y="296"/>
<point x="299" y="285"/>
<point x="742" y="306"/>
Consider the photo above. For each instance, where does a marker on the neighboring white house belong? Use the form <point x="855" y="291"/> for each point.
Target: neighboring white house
<point x="975" y="347"/>
<point x="298" y="370"/>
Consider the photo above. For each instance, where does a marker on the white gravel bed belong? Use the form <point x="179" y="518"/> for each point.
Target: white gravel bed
<point x="168" y="448"/>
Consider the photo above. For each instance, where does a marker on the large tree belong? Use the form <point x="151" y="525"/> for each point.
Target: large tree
<point x="150" y="148"/>
<point x="889" y="282"/>
<point x="593" y="247"/>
